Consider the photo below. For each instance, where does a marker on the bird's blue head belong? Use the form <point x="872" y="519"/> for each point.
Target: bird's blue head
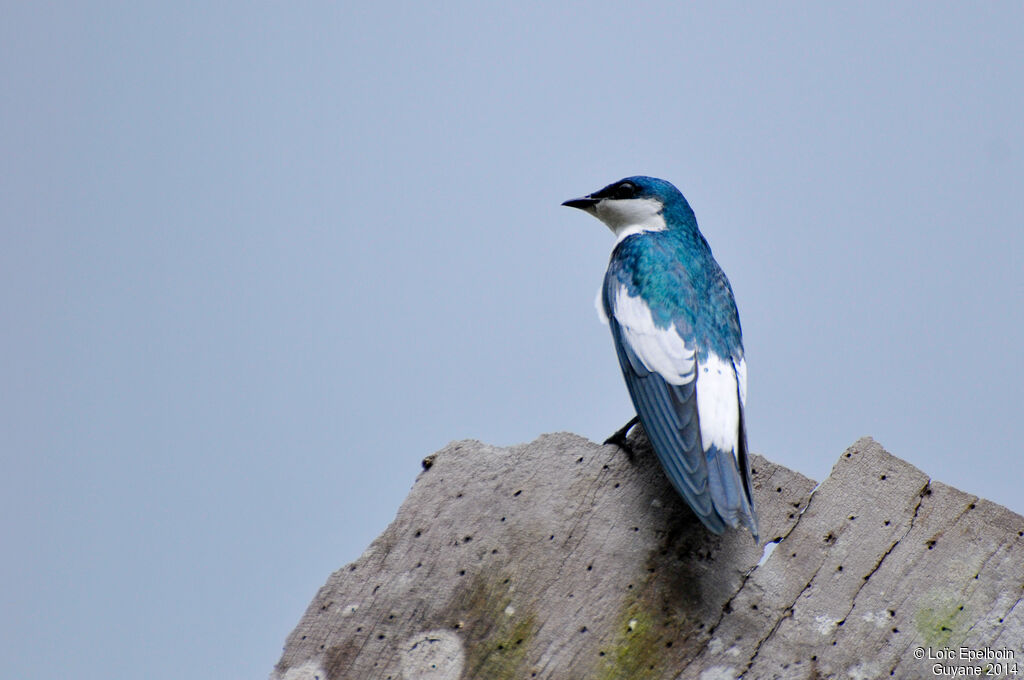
<point x="637" y="204"/>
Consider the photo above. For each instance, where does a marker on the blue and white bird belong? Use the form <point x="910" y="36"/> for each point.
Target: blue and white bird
<point x="677" y="334"/>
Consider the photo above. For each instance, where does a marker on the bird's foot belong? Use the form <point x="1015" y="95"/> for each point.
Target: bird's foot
<point x="618" y="438"/>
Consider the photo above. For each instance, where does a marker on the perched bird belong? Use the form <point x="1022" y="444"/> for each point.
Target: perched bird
<point x="677" y="334"/>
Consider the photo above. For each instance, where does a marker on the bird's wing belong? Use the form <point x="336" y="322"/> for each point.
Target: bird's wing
<point x="689" y="401"/>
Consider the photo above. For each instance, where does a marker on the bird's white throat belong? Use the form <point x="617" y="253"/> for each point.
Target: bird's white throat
<point x="628" y="216"/>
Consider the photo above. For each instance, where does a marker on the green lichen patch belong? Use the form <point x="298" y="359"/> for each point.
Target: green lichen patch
<point x="941" y="620"/>
<point x="657" y="626"/>
<point x="637" y="652"/>
<point x="498" y="630"/>
<point x="502" y="656"/>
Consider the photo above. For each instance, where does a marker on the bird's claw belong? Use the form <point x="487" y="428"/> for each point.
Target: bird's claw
<point x="618" y="437"/>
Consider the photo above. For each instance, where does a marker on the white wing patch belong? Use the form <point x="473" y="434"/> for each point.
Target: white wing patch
<point x="717" y="403"/>
<point x="661" y="350"/>
<point x="741" y="376"/>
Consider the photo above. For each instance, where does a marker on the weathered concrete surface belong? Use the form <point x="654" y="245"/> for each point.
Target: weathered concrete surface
<point x="562" y="559"/>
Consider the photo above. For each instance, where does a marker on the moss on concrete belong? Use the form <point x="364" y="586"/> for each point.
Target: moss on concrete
<point x="498" y="630"/>
<point x="635" y="653"/>
<point x="941" y="620"/>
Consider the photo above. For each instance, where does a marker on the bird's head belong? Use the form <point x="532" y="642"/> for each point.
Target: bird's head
<point x="635" y="204"/>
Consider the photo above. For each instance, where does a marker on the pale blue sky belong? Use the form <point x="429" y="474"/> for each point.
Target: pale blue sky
<point x="258" y="260"/>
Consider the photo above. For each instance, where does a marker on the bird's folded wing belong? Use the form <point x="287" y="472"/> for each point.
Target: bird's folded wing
<point x="660" y="372"/>
<point x="691" y="410"/>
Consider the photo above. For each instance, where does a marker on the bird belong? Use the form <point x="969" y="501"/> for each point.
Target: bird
<point x="677" y="334"/>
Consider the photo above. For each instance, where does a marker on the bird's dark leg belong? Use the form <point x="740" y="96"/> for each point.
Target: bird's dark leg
<point x="619" y="437"/>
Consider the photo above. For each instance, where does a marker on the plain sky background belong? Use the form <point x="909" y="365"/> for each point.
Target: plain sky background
<point x="258" y="260"/>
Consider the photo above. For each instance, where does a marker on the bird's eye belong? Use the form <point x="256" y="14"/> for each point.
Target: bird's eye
<point x="624" y="190"/>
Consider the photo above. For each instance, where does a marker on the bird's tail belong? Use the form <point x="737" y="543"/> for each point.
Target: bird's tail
<point x="728" y="483"/>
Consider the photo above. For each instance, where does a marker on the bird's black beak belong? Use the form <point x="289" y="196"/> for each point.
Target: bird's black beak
<point x="581" y="203"/>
